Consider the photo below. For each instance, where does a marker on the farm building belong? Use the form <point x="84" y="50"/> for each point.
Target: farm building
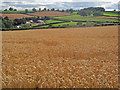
<point x="40" y="21"/>
<point x="19" y="26"/>
<point x="27" y="22"/>
<point x="31" y="21"/>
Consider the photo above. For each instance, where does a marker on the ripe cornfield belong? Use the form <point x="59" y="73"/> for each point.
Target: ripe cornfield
<point x="60" y="58"/>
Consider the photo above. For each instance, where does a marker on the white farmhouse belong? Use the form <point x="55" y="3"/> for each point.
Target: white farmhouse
<point x="31" y="21"/>
<point x="40" y="21"/>
<point x="27" y="22"/>
<point x="19" y="26"/>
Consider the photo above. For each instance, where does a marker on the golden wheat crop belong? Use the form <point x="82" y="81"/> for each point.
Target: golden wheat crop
<point x="60" y="58"/>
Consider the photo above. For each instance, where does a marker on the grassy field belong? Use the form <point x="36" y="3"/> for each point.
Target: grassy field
<point x="86" y="18"/>
<point x="41" y="26"/>
<point x="66" y="23"/>
<point x="110" y="14"/>
<point x="59" y="24"/>
<point x="60" y="58"/>
<point x="52" y="21"/>
<point x="14" y="11"/>
<point x="75" y="12"/>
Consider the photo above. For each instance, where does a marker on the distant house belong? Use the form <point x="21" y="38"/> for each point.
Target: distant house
<point x="27" y="22"/>
<point x="31" y="21"/>
<point x="19" y="26"/>
<point x="40" y="21"/>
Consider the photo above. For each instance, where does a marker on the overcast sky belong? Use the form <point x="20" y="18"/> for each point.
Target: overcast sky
<point x="59" y="4"/>
<point x="113" y="1"/>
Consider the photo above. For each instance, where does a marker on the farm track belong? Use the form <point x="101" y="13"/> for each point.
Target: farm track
<point x="54" y="58"/>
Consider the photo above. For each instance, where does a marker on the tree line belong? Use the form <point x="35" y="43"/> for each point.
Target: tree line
<point x="7" y="23"/>
<point x="94" y="11"/>
<point x="84" y="12"/>
<point x="44" y="9"/>
<point x="10" y="9"/>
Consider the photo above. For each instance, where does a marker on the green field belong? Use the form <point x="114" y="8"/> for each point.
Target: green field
<point x="52" y="21"/>
<point x="60" y="24"/>
<point x="110" y="14"/>
<point x="85" y="18"/>
<point x="42" y="26"/>
<point x="75" y="12"/>
<point x="66" y="23"/>
<point x="14" y="11"/>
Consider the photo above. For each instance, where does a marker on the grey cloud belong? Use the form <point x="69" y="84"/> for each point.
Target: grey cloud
<point x="57" y="5"/>
<point x="19" y="0"/>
